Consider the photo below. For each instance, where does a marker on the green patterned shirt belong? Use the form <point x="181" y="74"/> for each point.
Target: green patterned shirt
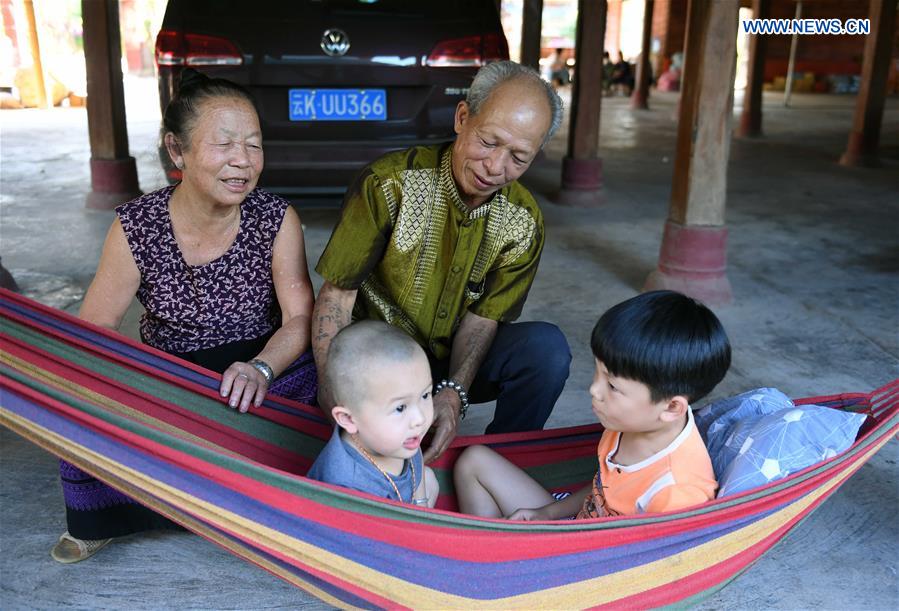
<point x="420" y="258"/>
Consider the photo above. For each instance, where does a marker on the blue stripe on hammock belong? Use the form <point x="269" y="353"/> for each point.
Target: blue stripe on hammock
<point x="408" y="565"/>
<point x="131" y="353"/>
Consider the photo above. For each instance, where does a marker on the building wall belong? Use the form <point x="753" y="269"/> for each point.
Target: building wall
<point x="822" y="55"/>
<point x="613" y="28"/>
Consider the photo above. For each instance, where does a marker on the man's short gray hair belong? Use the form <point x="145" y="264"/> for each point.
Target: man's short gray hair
<point x="495" y="74"/>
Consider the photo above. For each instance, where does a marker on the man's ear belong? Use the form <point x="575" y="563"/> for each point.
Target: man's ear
<point x="462" y="113"/>
<point x="174" y="150"/>
<point x="675" y="408"/>
<point x="344" y="419"/>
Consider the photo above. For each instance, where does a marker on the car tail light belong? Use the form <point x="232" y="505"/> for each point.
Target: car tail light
<point x="175" y="48"/>
<point x="469" y="51"/>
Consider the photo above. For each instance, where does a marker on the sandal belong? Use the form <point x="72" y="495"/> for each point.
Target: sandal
<point x="69" y="549"/>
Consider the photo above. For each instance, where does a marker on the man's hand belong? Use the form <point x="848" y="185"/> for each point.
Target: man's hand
<point x="446" y="420"/>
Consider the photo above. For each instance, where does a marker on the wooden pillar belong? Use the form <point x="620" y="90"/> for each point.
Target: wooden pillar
<point x="751" y="119"/>
<point x="113" y="171"/>
<point x="662" y="13"/>
<point x="640" y="98"/>
<point x="582" y="167"/>
<point x="38" y="66"/>
<point x="865" y="135"/>
<point x="531" y="30"/>
<point x="692" y="258"/>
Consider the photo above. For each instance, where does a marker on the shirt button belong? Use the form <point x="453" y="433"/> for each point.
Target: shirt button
<point x="456" y="269"/>
<point x="441" y="314"/>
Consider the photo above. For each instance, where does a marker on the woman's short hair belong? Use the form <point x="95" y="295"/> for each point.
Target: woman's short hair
<point x="194" y="89"/>
<point x="670" y="342"/>
<point x="495" y="74"/>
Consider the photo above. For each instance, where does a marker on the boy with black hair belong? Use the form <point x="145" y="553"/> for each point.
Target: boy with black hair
<point x="655" y="354"/>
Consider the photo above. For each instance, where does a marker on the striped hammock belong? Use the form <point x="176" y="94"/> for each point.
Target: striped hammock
<point x="154" y="427"/>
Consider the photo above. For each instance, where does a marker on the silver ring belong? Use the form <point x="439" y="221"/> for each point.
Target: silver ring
<point x="243" y="375"/>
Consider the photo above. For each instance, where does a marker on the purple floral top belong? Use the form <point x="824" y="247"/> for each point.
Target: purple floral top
<point x="197" y="307"/>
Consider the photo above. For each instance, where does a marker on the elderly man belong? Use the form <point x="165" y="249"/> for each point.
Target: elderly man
<point x="443" y="242"/>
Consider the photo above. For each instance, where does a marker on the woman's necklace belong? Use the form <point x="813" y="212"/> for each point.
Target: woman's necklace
<point x="365" y="453"/>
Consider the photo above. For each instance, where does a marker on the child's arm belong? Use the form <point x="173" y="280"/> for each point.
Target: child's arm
<point x="557" y="510"/>
<point x="428" y="488"/>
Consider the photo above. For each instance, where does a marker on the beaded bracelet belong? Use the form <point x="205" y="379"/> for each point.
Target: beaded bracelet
<point x="460" y="390"/>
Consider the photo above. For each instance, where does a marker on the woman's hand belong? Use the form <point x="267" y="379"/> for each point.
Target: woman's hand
<point x="528" y="515"/>
<point x="243" y="383"/>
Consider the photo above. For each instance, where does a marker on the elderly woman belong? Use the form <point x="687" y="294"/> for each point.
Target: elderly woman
<point x="220" y="268"/>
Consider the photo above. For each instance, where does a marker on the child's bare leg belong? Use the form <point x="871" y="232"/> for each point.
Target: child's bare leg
<point x="490" y="486"/>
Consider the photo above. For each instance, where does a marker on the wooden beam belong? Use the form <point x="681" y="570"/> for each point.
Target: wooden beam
<point x="531" y="33"/>
<point x="586" y="92"/>
<point x="865" y="135"/>
<point x="751" y="119"/>
<point x="113" y="171"/>
<point x="582" y="167"/>
<point x="640" y="98"/>
<point x="693" y="256"/>
<point x="38" y="66"/>
<point x="706" y="104"/>
<point x="105" y="90"/>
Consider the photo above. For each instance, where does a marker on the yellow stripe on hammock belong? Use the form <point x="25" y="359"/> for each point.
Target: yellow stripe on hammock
<point x="607" y="588"/>
<point x="91" y="396"/>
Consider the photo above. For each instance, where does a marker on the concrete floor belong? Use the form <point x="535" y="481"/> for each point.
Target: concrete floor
<point x="813" y="260"/>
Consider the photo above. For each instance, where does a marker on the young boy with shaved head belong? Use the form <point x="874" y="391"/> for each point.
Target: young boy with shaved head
<point x="381" y="384"/>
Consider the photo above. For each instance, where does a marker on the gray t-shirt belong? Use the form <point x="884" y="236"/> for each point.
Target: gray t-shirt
<point x="343" y="465"/>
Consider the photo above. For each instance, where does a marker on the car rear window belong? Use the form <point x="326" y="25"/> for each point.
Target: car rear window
<point x="275" y="9"/>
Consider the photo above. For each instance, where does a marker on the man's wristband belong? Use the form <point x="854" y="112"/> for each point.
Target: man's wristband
<point x="263" y="368"/>
<point x="460" y="390"/>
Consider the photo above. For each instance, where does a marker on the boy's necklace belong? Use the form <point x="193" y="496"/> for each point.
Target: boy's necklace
<point x="365" y="453"/>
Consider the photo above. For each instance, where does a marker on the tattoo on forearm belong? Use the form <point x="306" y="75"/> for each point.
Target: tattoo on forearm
<point x="469" y="352"/>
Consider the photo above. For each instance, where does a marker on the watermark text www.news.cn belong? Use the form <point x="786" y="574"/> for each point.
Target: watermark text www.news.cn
<point x="806" y="26"/>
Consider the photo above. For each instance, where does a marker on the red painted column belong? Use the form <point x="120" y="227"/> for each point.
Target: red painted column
<point x="865" y="135"/>
<point x="693" y="255"/>
<point x="582" y="167"/>
<point x="640" y="97"/>
<point x="113" y="170"/>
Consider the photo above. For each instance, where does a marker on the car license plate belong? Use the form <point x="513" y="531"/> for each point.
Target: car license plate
<point x="338" y="104"/>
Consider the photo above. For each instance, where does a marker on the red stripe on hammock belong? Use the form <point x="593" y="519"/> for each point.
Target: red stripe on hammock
<point x="713" y="576"/>
<point x="170" y="413"/>
<point x="346" y="586"/>
<point x="452" y="541"/>
<point x="142" y="367"/>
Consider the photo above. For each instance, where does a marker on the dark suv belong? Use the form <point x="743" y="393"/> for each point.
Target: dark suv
<point x="337" y="82"/>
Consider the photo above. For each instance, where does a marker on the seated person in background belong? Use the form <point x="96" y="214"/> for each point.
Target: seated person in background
<point x="558" y="69"/>
<point x="622" y="76"/>
<point x="607" y="69"/>
<point x="381" y="383"/>
<point x="655" y="354"/>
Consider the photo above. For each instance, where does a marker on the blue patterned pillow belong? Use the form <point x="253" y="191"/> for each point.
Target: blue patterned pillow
<point x="717" y="421"/>
<point x="760" y="437"/>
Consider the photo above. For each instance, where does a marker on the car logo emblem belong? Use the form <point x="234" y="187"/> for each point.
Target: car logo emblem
<point x="335" y="42"/>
